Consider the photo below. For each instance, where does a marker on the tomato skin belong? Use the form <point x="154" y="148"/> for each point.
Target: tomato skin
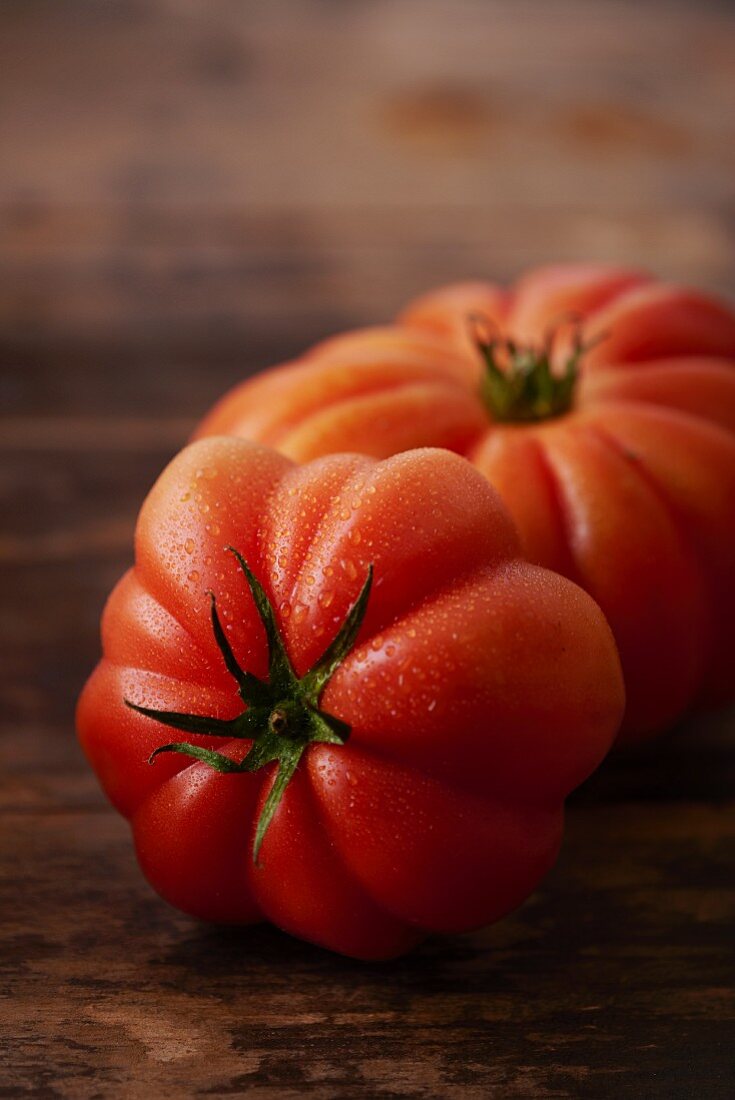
<point x="605" y="493"/>
<point x="358" y="392"/>
<point x="481" y="690"/>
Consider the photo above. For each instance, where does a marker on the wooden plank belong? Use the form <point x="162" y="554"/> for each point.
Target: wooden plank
<point x="181" y="181"/>
<point x="247" y="291"/>
<point x="609" y="982"/>
<point x="354" y="104"/>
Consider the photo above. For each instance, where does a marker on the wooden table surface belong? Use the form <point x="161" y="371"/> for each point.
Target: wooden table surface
<point x="192" y="191"/>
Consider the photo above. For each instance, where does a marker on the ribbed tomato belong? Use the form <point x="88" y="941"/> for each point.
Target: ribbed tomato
<point x="601" y="404"/>
<point x="362" y="763"/>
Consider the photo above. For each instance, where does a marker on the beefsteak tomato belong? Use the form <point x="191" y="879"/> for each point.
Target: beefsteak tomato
<point x="362" y="764"/>
<point x="601" y="404"/>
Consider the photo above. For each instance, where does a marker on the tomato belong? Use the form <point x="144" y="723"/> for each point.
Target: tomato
<point x="601" y="404"/>
<point x="381" y="706"/>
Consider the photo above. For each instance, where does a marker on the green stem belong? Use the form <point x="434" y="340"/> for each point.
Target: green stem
<point x="282" y="715"/>
<point x="520" y="383"/>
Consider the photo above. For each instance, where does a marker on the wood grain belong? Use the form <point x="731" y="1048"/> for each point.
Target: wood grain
<point x="226" y="180"/>
<point x="192" y="192"/>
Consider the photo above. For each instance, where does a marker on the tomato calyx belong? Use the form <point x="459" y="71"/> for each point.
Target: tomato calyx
<point x="520" y="383"/>
<point x="282" y="715"/>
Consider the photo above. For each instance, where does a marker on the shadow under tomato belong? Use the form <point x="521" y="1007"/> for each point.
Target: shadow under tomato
<point x="694" y="761"/>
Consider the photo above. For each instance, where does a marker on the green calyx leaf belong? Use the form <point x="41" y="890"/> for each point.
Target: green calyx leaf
<point x="282" y="715"/>
<point x="520" y="384"/>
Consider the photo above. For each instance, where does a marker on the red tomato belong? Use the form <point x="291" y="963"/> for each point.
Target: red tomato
<point x="612" y="444"/>
<point x="396" y="757"/>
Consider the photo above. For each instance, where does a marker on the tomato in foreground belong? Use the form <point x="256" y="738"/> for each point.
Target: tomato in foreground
<point x="601" y="404"/>
<point x="378" y="707"/>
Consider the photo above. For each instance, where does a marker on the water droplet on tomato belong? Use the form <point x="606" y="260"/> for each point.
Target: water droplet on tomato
<point x="348" y="566"/>
<point x="299" y="612"/>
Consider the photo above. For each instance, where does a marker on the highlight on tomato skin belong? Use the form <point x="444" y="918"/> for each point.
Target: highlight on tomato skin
<point x="600" y="403"/>
<point x="335" y="697"/>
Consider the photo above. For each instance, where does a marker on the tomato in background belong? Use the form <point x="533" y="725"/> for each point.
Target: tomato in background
<point x="601" y="404"/>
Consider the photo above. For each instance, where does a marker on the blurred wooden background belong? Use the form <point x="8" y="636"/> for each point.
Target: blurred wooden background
<point x="189" y="191"/>
<point x="219" y="182"/>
